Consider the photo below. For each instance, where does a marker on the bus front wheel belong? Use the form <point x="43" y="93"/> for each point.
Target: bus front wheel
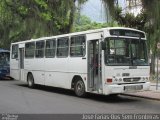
<point x="30" y="80"/>
<point x="79" y="88"/>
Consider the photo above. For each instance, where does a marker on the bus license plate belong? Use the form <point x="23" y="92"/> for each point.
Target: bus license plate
<point x="133" y="87"/>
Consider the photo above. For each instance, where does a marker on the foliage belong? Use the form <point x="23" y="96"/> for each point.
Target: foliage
<point x="26" y="19"/>
<point x="130" y="20"/>
<point x="109" y="5"/>
<point x="84" y="23"/>
<point x="153" y="27"/>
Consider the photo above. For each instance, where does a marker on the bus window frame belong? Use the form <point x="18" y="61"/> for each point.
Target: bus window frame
<point x="42" y="49"/>
<point x="84" y="50"/>
<point x="107" y="50"/>
<point x="32" y="49"/>
<point x="62" y="38"/>
<point x="54" y="39"/>
<point x="15" y="52"/>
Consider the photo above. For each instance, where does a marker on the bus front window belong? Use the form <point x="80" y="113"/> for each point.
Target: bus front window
<point x="124" y="51"/>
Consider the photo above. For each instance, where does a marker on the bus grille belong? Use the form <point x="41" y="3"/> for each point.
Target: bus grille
<point x="131" y="79"/>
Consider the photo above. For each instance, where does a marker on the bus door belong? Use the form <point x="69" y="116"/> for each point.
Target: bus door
<point x="21" y="64"/>
<point x="14" y="61"/>
<point x="94" y="65"/>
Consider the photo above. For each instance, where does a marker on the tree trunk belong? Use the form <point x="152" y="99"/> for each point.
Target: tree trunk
<point x="152" y="64"/>
<point x="71" y="18"/>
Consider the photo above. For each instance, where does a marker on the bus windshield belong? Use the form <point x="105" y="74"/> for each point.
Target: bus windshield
<point x="126" y="51"/>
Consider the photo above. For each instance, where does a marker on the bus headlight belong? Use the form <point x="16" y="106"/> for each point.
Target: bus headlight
<point x="116" y="79"/>
<point x="147" y="79"/>
<point x="144" y="79"/>
<point x="120" y="79"/>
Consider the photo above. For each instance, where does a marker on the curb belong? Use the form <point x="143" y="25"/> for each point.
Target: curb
<point x="155" y="85"/>
<point x="157" y="99"/>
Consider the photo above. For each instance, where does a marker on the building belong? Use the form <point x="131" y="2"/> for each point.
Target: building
<point x="132" y="6"/>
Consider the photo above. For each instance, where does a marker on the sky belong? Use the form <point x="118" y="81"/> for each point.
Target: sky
<point x="94" y="9"/>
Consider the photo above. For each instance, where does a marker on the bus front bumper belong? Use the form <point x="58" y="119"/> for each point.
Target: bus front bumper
<point x="126" y="88"/>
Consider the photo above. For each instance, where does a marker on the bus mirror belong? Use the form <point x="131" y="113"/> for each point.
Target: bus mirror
<point x="103" y="44"/>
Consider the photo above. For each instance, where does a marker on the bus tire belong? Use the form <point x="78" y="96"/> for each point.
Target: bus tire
<point x="30" y="81"/>
<point x="79" y="88"/>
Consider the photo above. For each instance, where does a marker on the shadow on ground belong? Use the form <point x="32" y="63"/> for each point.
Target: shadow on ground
<point x="9" y="79"/>
<point x="94" y="97"/>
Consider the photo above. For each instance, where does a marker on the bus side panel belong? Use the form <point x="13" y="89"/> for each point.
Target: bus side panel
<point x="56" y="72"/>
<point x="14" y="69"/>
<point x="77" y="66"/>
<point x="36" y="67"/>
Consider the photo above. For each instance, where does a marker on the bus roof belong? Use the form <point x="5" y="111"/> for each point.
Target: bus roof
<point x="3" y="50"/>
<point x="79" y="33"/>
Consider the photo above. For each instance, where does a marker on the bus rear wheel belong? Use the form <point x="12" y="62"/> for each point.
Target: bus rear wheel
<point x="79" y="88"/>
<point x="30" y="80"/>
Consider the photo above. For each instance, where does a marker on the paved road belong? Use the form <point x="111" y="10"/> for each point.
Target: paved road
<point x="16" y="97"/>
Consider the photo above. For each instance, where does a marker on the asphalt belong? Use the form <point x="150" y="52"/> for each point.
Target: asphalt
<point x="153" y="93"/>
<point x="17" y="98"/>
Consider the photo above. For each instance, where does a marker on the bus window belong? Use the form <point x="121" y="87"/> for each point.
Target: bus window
<point x="125" y="51"/>
<point x="14" y="51"/>
<point x="4" y="58"/>
<point x="77" y="46"/>
<point x="39" y="49"/>
<point x="62" y="47"/>
<point x="4" y="63"/>
<point x="50" y="48"/>
<point x="29" y="50"/>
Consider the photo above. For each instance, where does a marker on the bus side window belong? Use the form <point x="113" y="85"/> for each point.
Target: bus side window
<point x="50" y="48"/>
<point x="29" y="50"/>
<point x="77" y="46"/>
<point x="62" y="47"/>
<point x="39" y="49"/>
<point x="14" y="51"/>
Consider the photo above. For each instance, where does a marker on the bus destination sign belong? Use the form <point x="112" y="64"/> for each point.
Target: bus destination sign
<point x="129" y="33"/>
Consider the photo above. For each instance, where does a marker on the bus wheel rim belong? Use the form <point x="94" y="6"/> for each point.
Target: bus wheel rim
<point x="80" y="87"/>
<point x="30" y="80"/>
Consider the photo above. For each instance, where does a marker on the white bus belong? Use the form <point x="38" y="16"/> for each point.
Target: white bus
<point x="103" y="61"/>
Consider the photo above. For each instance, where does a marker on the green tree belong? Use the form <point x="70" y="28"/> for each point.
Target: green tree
<point x="83" y="23"/>
<point x="130" y="20"/>
<point x="26" y="19"/>
<point x="152" y="27"/>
